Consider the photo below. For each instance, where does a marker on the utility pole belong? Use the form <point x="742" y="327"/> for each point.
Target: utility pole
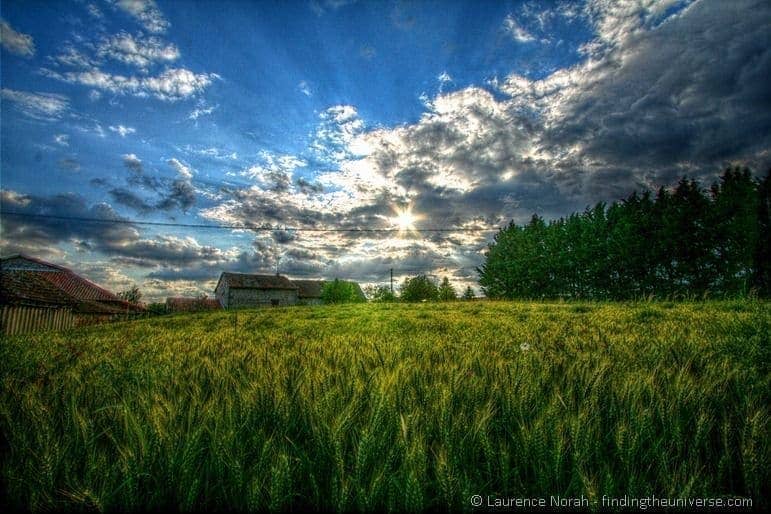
<point x="392" y="281"/>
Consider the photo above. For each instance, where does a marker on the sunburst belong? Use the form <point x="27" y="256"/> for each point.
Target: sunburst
<point x="404" y="219"/>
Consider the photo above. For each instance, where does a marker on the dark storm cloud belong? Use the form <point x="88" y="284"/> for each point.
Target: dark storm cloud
<point x="129" y="199"/>
<point x="44" y="232"/>
<point x="180" y="194"/>
<point x="692" y="92"/>
<point x="120" y="241"/>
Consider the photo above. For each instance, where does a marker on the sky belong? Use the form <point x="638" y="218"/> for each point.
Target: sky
<point x="280" y="117"/>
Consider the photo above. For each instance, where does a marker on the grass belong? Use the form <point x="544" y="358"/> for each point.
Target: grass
<point x="398" y="407"/>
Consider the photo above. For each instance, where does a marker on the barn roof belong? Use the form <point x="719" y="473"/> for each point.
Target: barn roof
<point x="309" y="288"/>
<point x="34" y="278"/>
<point x="249" y="281"/>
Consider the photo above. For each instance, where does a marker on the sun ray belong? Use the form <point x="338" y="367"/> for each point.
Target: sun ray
<point x="404" y="219"/>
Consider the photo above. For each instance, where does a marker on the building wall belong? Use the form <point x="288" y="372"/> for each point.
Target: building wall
<point x="23" y="319"/>
<point x="221" y="294"/>
<point x="238" y="298"/>
<point x="310" y="301"/>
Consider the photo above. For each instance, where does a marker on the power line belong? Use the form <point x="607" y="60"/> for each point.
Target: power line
<point x="237" y="226"/>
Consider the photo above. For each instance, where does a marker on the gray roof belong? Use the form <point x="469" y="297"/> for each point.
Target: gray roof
<point x="309" y="288"/>
<point x="249" y="281"/>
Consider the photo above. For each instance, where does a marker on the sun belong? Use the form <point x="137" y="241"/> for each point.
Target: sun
<point x="404" y="219"/>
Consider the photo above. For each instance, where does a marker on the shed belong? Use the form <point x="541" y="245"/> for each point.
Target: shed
<point x="309" y="292"/>
<point x="237" y="290"/>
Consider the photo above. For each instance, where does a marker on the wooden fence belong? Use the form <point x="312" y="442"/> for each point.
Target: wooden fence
<point x="21" y="319"/>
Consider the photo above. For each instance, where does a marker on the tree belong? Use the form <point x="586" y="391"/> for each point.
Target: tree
<point x="340" y="291"/>
<point x="446" y="291"/>
<point x="761" y="276"/>
<point x="132" y="295"/>
<point x="419" y="288"/>
<point x="380" y="294"/>
<point x="469" y="294"/>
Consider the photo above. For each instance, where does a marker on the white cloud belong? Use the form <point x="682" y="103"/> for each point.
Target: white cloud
<point x="200" y="111"/>
<point x="122" y="130"/>
<point x="40" y="106"/>
<point x="137" y="51"/>
<point x="213" y="152"/>
<point x="171" y="85"/>
<point x="132" y="162"/>
<point x="181" y="169"/>
<point x="304" y="88"/>
<point x="16" y="42"/>
<point x="513" y="27"/>
<point x="337" y="137"/>
<point x="274" y="172"/>
<point x="146" y="12"/>
<point x="62" y="139"/>
<point x="70" y="56"/>
<point x="444" y="78"/>
<point x="94" y="11"/>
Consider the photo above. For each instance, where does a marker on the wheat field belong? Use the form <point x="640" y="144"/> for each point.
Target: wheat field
<point x="390" y="407"/>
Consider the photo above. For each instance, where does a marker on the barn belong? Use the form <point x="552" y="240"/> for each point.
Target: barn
<point x="37" y="295"/>
<point x="237" y="290"/>
<point x="309" y="292"/>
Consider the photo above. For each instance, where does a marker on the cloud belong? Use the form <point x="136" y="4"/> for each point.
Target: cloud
<point x="94" y="11"/>
<point x="137" y="51"/>
<point x="120" y="241"/>
<point x="128" y="198"/>
<point x="133" y="163"/>
<point x="16" y="42"/>
<point x="274" y="172"/>
<point x="62" y="139"/>
<point x="200" y="111"/>
<point x="69" y="164"/>
<point x="39" y="106"/>
<point x="171" y="85"/>
<point x="146" y="12"/>
<point x="122" y="130"/>
<point x="337" y="133"/>
<point x="182" y="169"/>
<point x="515" y="30"/>
<point x="304" y="88"/>
<point x="71" y="56"/>
<point x="37" y="234"/>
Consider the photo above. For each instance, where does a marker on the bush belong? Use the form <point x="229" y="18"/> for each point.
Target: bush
<point x="340" y="291"/>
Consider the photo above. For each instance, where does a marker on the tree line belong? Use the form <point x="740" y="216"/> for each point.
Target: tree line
<point x="417" y="289"/>
<point x="684" y="242"/>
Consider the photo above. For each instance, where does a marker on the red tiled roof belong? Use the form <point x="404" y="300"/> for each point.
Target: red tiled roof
<point x="192" y="304"/>
<point x="30" y="288"/>
<point x="89" y="296"/>
<point x="79" y="287"/>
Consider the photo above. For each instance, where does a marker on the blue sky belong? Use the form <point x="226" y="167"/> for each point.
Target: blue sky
<point x="343" y="113"/>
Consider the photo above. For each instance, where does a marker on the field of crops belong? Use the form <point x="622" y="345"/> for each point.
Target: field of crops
<point x="400" y="407"/>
